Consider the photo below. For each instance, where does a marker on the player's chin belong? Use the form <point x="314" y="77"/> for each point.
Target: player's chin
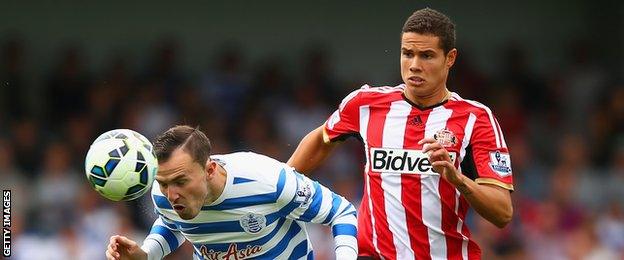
<point x="187" y="213"/>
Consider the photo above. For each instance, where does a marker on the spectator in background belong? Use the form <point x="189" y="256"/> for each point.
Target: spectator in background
<point x="12" y="178"/>
<point x="67" y="87"/>
<point x="14" y="89"/>
<point x="466" y="79"/>
<point x="56" y="189"/>
<point x="609" y="227"/>
<point x="155" y="114"/>
<point x="520" y="79"/>
<point x="107" y="96"/>
<point x="317" y="72"/>
<point x="78" y="132"/>
<point x="163" y="71"/>
<point x="27" y="142"/>
<point x="270" y="87"/>
<point x="259" y="134"/>
<point x="615" y="181"/>
<point x="580" y="85"/>
<point x="301" y="113"/>
<point x="225" y="86"/>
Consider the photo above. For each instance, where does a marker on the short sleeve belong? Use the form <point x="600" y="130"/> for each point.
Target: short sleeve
<point x="487" y="158"/>
<point x="345" y="121"/>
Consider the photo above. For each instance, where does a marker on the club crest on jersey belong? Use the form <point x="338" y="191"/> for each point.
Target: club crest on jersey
<point x="500" y="163"/>
<point x="445" y="137"/>
<point x="252" y="223"/>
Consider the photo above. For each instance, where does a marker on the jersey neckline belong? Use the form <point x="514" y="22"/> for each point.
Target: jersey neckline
<point x="422" y="108"/>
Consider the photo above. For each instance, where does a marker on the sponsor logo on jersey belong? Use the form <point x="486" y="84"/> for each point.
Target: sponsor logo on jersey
<point x="402" y="161"/>
<point x="500" y="163"/>
<point x="232" y="253"/>
<point x="304" y="193"/>
<point x="445" y="137"/>
<point x="252" y="223"/>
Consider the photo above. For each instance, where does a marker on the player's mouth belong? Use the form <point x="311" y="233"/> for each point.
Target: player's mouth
<point x="178" y="208"/>
<point x="414" y="80"/>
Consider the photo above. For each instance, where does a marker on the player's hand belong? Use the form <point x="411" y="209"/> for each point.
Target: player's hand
<point x="441" y="161"/>
<point x="122" y="248"/>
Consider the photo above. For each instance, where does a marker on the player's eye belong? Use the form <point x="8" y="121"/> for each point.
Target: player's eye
<point x="408" y="54"/>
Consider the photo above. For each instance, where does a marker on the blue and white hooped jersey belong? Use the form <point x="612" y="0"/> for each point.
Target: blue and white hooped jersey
<point x="260" y="214"/>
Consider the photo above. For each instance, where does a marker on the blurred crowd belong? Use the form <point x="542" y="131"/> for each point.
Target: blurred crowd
<point x="564" y="127"/>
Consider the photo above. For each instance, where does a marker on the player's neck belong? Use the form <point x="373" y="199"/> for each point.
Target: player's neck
<point x="217" y="185"/>
<point x="429" y="100"/>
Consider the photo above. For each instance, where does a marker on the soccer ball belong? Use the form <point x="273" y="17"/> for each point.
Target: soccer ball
<point x="121" y="165"/>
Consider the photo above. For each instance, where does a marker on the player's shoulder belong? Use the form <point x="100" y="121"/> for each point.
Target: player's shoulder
<point x="250" y="166"/>
<point x="470" y="106"/>
<point x="244" y="158"/>
<point x="368" y="94"/>
<point x="368" y="90"/>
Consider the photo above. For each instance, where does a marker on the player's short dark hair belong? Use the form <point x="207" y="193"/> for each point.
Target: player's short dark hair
<point x="432" y="22"/>
<point x="192" y="140"/>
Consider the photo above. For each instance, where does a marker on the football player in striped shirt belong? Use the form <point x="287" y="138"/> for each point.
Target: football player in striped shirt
<point x="235" y="206"/>
<point x="430" y="153"/>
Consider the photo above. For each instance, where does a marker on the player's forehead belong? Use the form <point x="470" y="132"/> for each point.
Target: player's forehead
<point x="180" y="164"/>
<point x="420" y="42"/>
<point x="171" y="175"/>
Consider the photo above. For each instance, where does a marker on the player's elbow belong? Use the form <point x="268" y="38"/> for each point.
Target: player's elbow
<point x="502" y="222"/>
<point x="504" y="218"/>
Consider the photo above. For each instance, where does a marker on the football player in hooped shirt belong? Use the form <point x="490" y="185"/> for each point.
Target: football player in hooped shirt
<point x="430" y="154"/>
<point x="234" y="206"/>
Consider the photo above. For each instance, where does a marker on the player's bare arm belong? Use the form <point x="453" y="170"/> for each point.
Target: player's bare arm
<point x="491" y="202"/>
<point x="311" y="152"/>
<point x="122" y="248"/>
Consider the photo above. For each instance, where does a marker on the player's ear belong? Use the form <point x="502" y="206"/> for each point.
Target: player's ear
<point x="210" y="168"/>
<point x="450" y="57"/>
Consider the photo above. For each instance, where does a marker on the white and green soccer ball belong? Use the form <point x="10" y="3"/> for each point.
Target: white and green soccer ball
<point x="121" y="165"/>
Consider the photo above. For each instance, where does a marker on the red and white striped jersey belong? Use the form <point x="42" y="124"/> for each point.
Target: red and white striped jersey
<point x="408" y="211"/>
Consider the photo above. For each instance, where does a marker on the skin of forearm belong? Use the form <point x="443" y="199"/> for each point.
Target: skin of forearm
<point x="491" y="202"/>
<point x="311" y="152"/>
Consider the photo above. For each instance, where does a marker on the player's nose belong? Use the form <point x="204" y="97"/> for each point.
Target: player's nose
<point x="415" y="65"/>
<point x="172" y="194"/>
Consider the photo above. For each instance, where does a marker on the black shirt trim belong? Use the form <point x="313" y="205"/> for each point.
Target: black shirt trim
<point x="421" y="108"/>
<point x="468" y="166"/>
